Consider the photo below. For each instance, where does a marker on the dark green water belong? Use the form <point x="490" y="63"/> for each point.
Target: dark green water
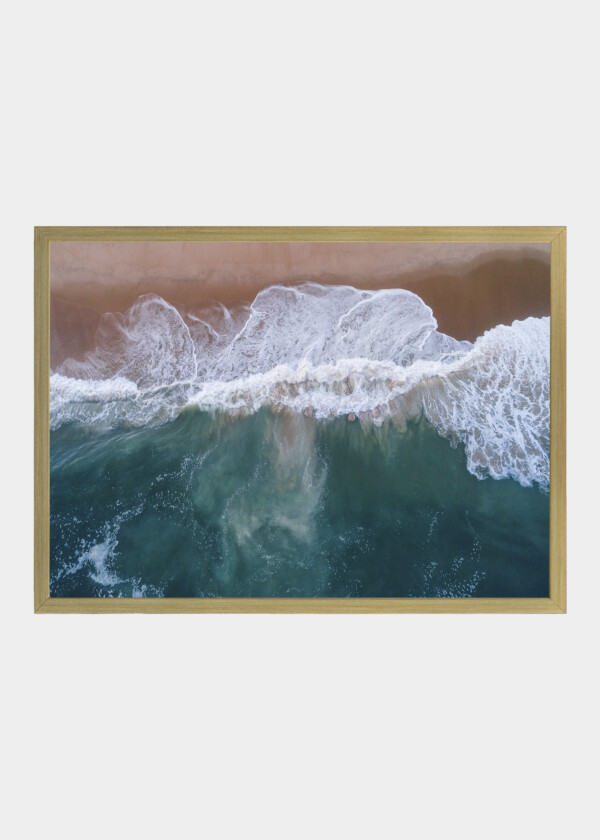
<point x="269" y="505"/>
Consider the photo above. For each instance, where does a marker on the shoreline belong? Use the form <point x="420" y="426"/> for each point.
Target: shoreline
<point x="470" y="288"/>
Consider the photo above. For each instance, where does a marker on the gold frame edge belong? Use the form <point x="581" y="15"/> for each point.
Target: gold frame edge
<point x="555" y="603"/>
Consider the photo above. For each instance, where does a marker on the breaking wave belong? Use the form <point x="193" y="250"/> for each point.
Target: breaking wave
<point x="324" y="351"/>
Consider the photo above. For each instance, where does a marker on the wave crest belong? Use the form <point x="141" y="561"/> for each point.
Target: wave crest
<point x="324" y="351"/>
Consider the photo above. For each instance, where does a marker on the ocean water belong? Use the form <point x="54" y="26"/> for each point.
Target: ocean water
<point x="321" y="441"/>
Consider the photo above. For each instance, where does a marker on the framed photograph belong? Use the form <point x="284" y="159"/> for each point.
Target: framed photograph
<point x="300" y="420"/>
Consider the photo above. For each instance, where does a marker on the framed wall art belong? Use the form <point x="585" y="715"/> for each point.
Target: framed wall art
<point x="300" y="419"/>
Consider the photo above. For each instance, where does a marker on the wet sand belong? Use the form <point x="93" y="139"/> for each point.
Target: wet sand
<point x="471" y="287"/>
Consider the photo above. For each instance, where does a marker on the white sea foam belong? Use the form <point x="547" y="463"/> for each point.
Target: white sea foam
<point x="113" y="402"/>
<point x="496" y="400"/>
<point x="150" y="345"/>
<point x="96" y="558"/>
<point x="98" y="555"/>
<point x="324" y="351"/>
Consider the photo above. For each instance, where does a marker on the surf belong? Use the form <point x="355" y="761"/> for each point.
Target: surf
<point x="324" y="352"/>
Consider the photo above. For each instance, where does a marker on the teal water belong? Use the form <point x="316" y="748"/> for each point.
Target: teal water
<point x="270" y="505"/>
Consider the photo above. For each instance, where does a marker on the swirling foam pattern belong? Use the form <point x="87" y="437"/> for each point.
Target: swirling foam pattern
<point x="324" y="351"/>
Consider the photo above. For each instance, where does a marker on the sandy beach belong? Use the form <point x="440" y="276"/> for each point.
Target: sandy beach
<point x="471" y="287"/>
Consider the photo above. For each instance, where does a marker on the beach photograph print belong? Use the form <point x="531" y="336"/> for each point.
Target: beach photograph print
<point x="245" y="419"/>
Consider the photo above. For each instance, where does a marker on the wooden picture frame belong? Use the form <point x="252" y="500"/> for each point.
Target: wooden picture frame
<point x="555" y="603"/>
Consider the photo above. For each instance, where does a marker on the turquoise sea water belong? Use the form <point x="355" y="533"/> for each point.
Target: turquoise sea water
<point x="286" y="506"/>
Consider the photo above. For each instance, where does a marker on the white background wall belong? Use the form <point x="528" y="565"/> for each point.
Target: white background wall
<point x="305" y="113"/>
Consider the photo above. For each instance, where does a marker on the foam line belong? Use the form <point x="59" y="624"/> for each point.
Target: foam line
<point x="324" y="351"/>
